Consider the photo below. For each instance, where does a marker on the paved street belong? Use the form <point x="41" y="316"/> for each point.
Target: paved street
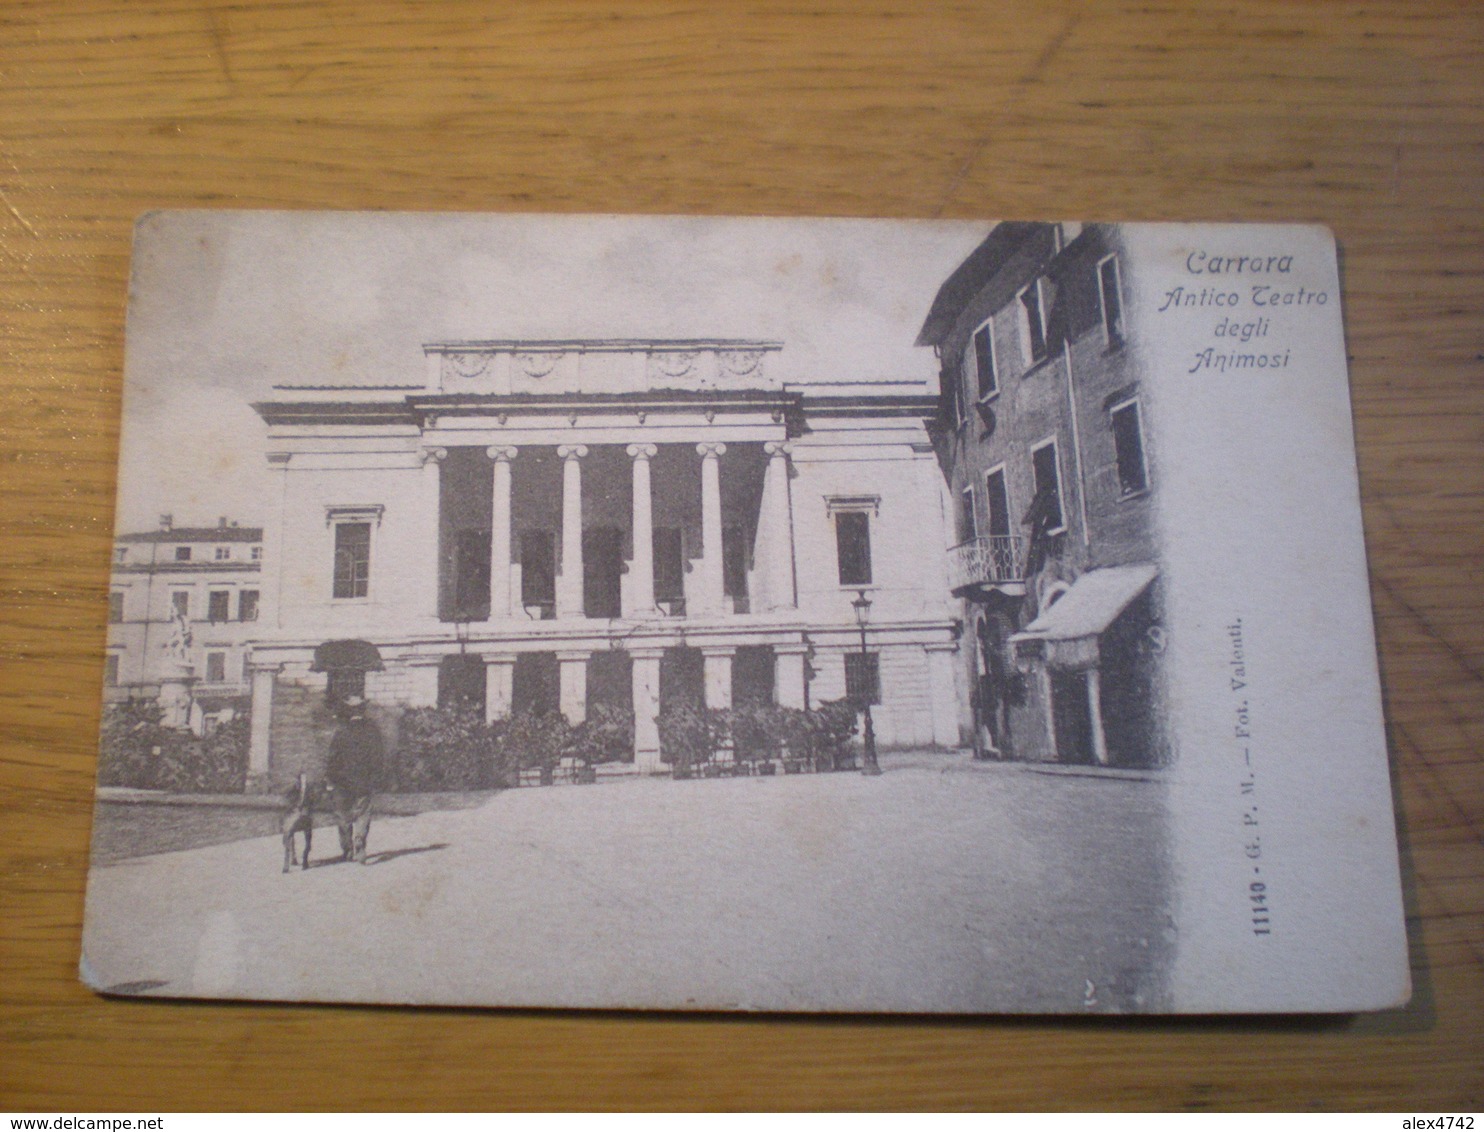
<point x="941" y="885"/>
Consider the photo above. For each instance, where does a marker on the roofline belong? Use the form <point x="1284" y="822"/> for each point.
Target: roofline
<point x="970" y="276"/>
<point x="195" y="534"/>
<point x="748" y="398"/>
<point x="604" y="345"/>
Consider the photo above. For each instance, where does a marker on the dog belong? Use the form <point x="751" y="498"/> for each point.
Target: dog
<point x="302" y="800"/>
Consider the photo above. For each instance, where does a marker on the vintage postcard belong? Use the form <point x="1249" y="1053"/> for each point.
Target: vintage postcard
<point x="741" y="614"/>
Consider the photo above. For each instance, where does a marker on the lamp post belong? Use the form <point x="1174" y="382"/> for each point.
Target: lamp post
<point x="862" y="607"/>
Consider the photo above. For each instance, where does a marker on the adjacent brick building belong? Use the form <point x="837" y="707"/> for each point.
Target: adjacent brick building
<point x="1041" y="436"/>
<point x="182" y="609"/>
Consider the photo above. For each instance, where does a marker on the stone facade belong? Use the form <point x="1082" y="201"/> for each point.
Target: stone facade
<point x="631" y="522"/>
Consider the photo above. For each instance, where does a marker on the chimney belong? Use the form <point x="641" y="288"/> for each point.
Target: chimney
<point x="221" y="523"/>
<point x="166" y="522"/>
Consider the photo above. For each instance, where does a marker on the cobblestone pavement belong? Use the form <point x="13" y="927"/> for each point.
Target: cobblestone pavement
<point x="941" y="885"/>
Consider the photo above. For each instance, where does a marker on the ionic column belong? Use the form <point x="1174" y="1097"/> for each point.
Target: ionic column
<point x="260" y="727"/>
<point x="569" y="582"/>
<point x="499" y="685"/>
<point x="574" y="685"/>
<point x="641" y="572"/>
<point x="500" y="535"/>
<point x="712" y="579"/>
<point x="432" y="487"/>
<point x="943" y="691"/>
<point x="788" y="675"/>
<point x="1095" y="716"/>
<point x="780" y="536"/>
<point x="646" y="681"/>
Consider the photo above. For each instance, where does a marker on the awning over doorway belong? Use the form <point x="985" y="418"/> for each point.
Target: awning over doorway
<point x="361" y="656"/>
<point x="1092" y="604"/>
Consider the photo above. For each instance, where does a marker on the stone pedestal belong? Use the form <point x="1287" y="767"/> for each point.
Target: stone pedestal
<point x="499" y="686"/>
<point x="646" y="680"/>
<point x="573" y="685"/>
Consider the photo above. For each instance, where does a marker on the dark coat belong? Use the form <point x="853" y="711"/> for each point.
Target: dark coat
<point x="357" y="758"/>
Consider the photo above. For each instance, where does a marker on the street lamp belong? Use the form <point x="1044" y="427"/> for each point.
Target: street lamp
<point x="862" y="607"/>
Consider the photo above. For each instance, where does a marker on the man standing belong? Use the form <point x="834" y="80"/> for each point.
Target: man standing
<point x="357" y="757"/>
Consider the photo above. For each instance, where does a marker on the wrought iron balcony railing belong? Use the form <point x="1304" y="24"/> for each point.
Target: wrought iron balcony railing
<point x="991" y="560"/>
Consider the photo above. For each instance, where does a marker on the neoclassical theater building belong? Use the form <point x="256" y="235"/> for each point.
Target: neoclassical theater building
<point x="557" y="524"/>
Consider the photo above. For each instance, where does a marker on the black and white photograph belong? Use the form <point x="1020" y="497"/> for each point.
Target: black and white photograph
<point x="740" y="614"/>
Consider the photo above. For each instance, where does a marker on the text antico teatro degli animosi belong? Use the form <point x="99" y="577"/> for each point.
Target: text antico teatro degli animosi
<point x="1247" y="306"/>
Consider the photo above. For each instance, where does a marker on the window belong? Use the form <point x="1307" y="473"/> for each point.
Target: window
<point x="111" y="669"/>
<point x="216" y="668"/>
<point x="257" y="554"/>
<point x="863" y="678"/>
<point x="999" y="502"/>
<point x="538" y="574"/>
<point x="180" y="604"/>
<point x="1035" y="321"/>
<point x="120" y="555"/>
<point x="218" y="603"/>
<point x="1047" y="472"/>
<point x="967" y="522"/>
<point x="1112" y="296"/>
<point x="983" y="344"/>
<point x="471" y="576"/>
<point x="116" y="607"/>
<point x="734" y="556"/>
<point x="182" y="554"/>
<point x="853" y="547"/>
<point x="352" y="559"/>
<point x="247" y="605"/>
<point x="669" y="568"/>
<point x="223" y="553"/>
<point x="1128" y="446"/>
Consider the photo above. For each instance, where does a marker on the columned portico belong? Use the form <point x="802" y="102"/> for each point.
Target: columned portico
<point x="569" y="581"/>
<point x="641" y="574"/>
<point x="574" y="684"/>
<point x="500" y="533"/>
<point x="519" y="558"/>
<point x="713" y="582"/>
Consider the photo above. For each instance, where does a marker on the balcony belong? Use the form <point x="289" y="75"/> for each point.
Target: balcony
<point x="995" y="562"/>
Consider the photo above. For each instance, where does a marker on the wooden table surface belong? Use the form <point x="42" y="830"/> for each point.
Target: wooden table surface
<point x="1367" y="117"/>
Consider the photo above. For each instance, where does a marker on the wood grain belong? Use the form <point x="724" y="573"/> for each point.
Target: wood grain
<point x="1367" y="117"/>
